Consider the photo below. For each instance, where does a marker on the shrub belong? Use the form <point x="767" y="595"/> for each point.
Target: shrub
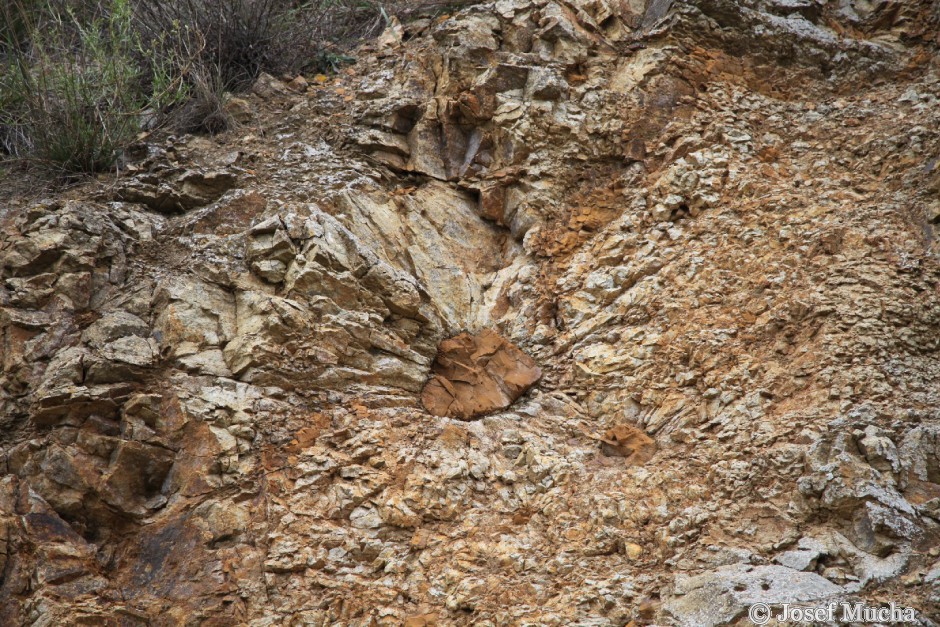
<point x="79" y="78"/>
<point x="238" y="39"/>
<point x="72" y="96"/>
<point x="241" y="38"/>
<point x="203" y="110"/>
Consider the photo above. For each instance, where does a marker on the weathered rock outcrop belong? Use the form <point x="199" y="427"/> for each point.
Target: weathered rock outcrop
<point x="711" y="226"/>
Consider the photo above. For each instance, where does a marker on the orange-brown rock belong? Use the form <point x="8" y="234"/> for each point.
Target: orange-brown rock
<point x="629" y="442"/>
<point x="478" y="374"/>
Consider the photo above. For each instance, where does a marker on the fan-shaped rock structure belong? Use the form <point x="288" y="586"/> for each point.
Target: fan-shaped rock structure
<point x="711" y="225"/>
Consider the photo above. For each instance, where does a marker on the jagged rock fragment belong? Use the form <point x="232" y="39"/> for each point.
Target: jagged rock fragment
<point x="474" y="375"/>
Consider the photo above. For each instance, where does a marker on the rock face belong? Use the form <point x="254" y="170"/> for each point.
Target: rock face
<point x="474" y="375"/>
<point x="712" y="226"/>
<point x="724" y="595"/>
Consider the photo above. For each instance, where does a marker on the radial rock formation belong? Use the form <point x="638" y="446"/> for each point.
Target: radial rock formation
<point x="711" y="225"/>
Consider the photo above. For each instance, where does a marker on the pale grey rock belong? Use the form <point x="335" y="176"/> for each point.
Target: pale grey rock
<point x="192" y="315"/>
<point x="176" y="191"/>
<point x="133" y="350"/>
<point x="271" y="270"/>
<point x="545" y="84"/>
<point x="114" y="325"/>
<point x="804" y="557"/>
<point x="723" y="595"/>
<point x="933" y="575"/>
<point x="210" y="362"/>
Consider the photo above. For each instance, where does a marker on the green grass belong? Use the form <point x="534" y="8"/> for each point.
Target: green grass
<point x="74" y="97"/>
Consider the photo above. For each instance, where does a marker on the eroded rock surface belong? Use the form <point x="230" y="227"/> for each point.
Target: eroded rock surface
<point x="712" y="225"/>
<point x="724" y="595"/>
<point x="474" y="375"/>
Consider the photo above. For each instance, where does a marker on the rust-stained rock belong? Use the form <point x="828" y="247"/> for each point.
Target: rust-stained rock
<point x="474" y="375"/>
<point x="629" y="442"/>
<point x="421" y="620"/>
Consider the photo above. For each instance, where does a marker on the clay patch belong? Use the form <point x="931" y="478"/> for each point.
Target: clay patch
<point x="474" y="375"/>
